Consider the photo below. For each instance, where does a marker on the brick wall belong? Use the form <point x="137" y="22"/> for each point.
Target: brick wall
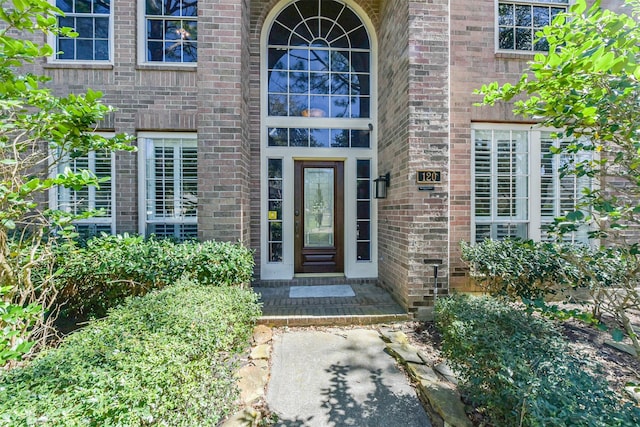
<point x="413" y="224"/>
<point x="222" y="144"/>
<point x="473" y="63"/>
<point x="148" y="98"/>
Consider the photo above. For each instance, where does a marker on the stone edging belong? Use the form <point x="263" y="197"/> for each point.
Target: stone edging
<point x="435" y="385"/>
<point x="253" y="377"/>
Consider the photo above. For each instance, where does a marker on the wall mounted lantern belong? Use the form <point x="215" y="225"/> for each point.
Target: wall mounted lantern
<point x="381" y="185"/>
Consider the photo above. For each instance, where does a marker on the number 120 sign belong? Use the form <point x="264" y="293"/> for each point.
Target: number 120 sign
<point x="427" y="177"/>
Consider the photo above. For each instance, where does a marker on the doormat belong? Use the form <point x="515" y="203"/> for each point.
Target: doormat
<point x="322" y="291"/>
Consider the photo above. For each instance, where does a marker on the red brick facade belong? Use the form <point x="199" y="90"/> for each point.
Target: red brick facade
<point x="431" y="55"/>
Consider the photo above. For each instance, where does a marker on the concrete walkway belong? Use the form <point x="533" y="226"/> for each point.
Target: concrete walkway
<point x="339" y="377"/>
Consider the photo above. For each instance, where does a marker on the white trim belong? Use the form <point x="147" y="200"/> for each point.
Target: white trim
<point x="534" y="217"/>
<point x="52" y="39"/>
<point x="352" y="267"/>
<point x="496" y="23"/>
<point x="110" y="220"/>
<point x="141" y="38"/>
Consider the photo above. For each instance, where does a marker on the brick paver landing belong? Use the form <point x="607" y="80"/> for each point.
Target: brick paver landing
<point x="371" y="304"/>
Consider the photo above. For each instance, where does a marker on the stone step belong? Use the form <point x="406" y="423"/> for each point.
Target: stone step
<point x="275" y="321"/>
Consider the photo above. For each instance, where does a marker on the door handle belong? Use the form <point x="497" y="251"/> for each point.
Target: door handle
<point x="296" y="227"/>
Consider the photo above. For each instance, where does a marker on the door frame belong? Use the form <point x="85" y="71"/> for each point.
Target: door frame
<point x="284" y="269"/>
<point x="328" y="259"/>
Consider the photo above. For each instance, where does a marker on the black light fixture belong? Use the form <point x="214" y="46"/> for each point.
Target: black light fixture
<point x="381" y="185"/>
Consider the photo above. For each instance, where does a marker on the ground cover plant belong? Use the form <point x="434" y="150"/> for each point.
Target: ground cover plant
<point x="517" y="369"/>
<point x="99" y="275"/>
<point x="544" y="274"/>
<point x="163" y="359"/>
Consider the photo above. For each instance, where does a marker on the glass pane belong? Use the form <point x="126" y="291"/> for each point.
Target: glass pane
<point x="540" y="16"/>
<point x="102" y="28"/>
<point x="523" y="16"/>
<point x="275" y="189"/>
<point x="340" y="106"/>
<point x="319" y="83"/>
<point x="505" y="14"/>
<point x="278" y="81"/>
<point x="66" y="46"/>
<point x="505" y="38"/>
<point x="360" y="138"/>
<point x="364" y="251"/>
<point x="275" y="252"/>
<point x="319" y="137"/>
<point x="523" y="38"/>
<point x="364" y="230"/>
<point x="339" y="138"/>
<point x="363" y="169"/>
<point x="277" y="104"/>
<point x="318" y="207"/>
<point x="278" y="137"/>
<point x="101" y="6"/>
<point x="84" y="49"/>
<point x="65" y="5"/>
<point x="83" y="6"/>
<point x="299" y="137"/>
<point x="364" y="209"/>
<point x="154" y="7"/>
<point x="275" y="231"/>
<point x="319" y="60"/>
<point x="364" y="189"/>
<point x="84" y="27"/>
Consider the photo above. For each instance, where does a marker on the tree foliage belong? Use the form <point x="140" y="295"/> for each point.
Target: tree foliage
<point x="588" y="86"/>
<point x="37" y="131"/>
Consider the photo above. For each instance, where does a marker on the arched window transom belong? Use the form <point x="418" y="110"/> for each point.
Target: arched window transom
<point x="319" y="62"/>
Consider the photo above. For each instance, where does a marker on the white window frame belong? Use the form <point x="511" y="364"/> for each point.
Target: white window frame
<point x="142" y="42"/>
<point x="109" y="220"/>
<point x="548" y="3"/>
<point x="353" y="268"/>
<point x="145" y="141"/>
<point x="535" y="219"/>
<point x="52" y="40"/>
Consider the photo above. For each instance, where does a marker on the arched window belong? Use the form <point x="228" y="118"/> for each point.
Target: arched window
<point x="319" y="66"/>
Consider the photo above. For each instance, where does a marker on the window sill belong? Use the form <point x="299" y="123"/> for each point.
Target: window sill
<point x="80" y="65"/>
<point x="516" y="54"/>
<point x="168" y="67"/>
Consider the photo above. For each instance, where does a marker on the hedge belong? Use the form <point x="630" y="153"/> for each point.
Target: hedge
<point x="518" y="370"/>
<point x="164" y="359"/>
<point x="108" y="269"/>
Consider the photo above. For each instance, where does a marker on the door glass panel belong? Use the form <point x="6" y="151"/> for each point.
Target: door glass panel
<point x="318" y="207"/>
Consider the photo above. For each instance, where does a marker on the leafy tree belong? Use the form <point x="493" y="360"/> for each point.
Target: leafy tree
<point x="588" y="85"/>
<point x="37" y="131"/>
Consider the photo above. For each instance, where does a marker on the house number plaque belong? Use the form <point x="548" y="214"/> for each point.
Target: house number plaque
<point x="428" y="177"/>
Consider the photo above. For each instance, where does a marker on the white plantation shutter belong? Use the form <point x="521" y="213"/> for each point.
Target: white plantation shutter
<point x="90" y="197"/>
<point x="501" y="183"/>
<point x="559" y="194"/>
<point x="517" y="189"/>
<point x="171" y="187"/>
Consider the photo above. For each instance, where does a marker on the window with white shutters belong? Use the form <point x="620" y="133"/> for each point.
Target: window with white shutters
<point x="90" y="198"/>
<point x="171" y="187"/>
<point x="517" y="187"/>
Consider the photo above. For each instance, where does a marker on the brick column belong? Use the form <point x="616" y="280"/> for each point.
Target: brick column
<point x="414" y="135"/>
<point x="223" y="149"/>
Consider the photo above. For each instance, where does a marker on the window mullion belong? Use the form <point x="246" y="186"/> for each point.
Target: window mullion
<point x="535" y="187"/>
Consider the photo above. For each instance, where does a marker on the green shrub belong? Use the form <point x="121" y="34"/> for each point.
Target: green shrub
<point x="165" y="359"/>
<point x="101" y="274"/>
<point x="518" y="369"/>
